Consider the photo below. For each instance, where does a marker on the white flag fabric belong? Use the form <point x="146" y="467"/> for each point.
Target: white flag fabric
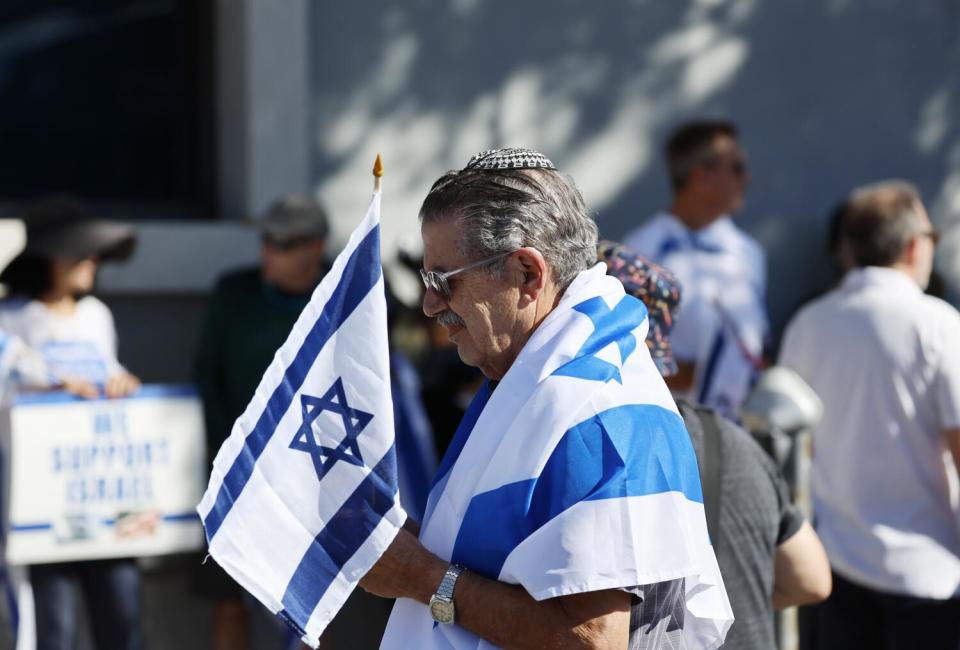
<point x="574" y="474"/>
<point x="303" y="496"/>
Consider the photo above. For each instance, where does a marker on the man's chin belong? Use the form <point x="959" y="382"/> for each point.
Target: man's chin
<point x="467" y="355"/>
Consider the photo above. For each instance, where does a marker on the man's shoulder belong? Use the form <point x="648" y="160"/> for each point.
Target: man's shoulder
<point x="940" y="309"/>
<point x="813" y="312"/>
<point x="937" y="321"/>
<point x="239" y="281"/>
<point x="737" y="443"/>
<point x="739" y="241"/>
<point x="646" y="237"/>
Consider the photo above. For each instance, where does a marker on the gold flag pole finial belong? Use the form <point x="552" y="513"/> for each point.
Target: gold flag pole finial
<point x="377" y="173"/>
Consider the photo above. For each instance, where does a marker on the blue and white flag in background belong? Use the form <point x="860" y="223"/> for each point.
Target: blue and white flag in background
<point x="303" y="496"/>
<point x="574" y="474"/>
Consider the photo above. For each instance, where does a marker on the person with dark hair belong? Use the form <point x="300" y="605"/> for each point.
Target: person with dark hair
<point x="770" y="557"/>
<point x="722" y="326"/>
<point x="885" y="360"/>
<point x="51" y="309"/>
<point x="567" y="509"/>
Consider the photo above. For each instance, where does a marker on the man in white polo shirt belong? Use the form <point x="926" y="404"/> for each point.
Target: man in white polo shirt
<point x="721" y="328"/>
<point x="885" y="359"/>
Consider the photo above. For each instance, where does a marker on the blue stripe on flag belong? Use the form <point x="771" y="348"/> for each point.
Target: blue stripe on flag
<point x="610" y="326"/>
<point x="631" y="450"/>
<point x="360" y="274"/>
<point x="346" y="531"/>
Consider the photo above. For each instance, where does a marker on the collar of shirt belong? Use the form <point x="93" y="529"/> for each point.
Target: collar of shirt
<point x="867" y="276"/>
<point x="718" y="236"/>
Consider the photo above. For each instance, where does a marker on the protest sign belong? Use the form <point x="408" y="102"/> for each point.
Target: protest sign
<point x="106" y="477"/>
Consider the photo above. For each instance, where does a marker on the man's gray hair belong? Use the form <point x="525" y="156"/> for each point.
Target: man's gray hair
<point x="502" y="210"/>
<point x="879" y="221"/>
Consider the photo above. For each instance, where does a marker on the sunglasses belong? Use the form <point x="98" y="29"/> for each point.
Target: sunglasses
<point x="932" y="233"/>
<point x="285" y="244"/>
<point x="738" y="166"/>
<point x="439" y="280"/>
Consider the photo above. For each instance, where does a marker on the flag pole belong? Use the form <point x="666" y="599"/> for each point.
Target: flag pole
<point x="377" y="173"/>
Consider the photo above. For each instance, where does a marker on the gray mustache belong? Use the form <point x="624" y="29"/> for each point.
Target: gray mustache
<point x="450" y="319"/>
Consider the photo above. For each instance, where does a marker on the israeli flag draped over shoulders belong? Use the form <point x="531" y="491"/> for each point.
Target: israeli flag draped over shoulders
<point x="303" y="496"/>
<point x="574" y="474"/>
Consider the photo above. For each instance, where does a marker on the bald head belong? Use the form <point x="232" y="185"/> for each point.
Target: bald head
<point x="885" y="224"/>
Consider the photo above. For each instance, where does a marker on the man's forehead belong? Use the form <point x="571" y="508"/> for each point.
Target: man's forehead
<point x="441" y="244"/>
<point x="724" y="143"/>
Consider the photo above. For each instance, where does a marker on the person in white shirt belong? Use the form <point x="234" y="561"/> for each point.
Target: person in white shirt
<point x="885" y="359"/>
<point x="722" y="326"/>
<point x="50" y="309"/>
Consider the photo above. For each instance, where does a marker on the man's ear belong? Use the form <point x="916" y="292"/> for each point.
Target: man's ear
<point x="909" y="254"/>
<point x="529" y="264"/>
<point x="316" y="248"/>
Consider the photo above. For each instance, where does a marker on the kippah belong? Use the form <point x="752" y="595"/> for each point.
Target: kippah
<point x="509" y="158"/>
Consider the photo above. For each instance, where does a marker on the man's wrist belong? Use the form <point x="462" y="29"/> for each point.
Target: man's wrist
<point x="421" y="572"/>
<point x="441" y="605"/>
<point x="428" y="579"/>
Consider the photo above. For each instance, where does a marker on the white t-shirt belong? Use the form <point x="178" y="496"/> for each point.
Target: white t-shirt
<point x="21" y="365"/>
<point x="885" y="360"/>
<point x="722" y="322"/>
<point x="81" y="345"/>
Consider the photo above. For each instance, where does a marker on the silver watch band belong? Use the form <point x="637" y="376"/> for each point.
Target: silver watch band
<point x="449" y="582"/>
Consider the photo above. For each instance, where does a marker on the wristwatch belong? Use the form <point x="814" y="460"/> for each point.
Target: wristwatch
<point x="441" y="603"/>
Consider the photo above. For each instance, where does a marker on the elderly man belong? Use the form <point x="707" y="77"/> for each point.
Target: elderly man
<point x="722" y="324"/>
<point x="885" y="359"/>
<point x="567" y="510"/>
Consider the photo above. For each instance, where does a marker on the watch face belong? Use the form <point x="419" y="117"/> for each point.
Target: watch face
<point x="441" y="611"/>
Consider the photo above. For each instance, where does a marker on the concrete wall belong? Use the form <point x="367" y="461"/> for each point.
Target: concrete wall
<point x="828" y="93"/>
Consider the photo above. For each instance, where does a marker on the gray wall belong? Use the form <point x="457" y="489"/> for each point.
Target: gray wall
<point x="828" y="94"/>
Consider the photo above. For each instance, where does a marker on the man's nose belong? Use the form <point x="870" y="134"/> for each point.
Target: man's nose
<point x="433" y="304"/>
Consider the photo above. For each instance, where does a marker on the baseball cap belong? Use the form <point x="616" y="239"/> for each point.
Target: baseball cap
<point x="294" y="217"/>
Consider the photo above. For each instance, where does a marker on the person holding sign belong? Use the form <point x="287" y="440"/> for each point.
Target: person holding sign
<point x="50" y="309"/>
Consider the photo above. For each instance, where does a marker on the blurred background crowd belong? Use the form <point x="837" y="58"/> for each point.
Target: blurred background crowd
<point x="219" y="152"/>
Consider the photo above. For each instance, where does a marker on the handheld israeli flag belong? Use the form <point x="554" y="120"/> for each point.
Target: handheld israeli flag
<point x="574" y="474"/>
<point x="303" y="496"/>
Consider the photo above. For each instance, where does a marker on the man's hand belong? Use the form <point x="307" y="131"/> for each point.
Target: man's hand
<point x="404" y="564"/>
<point x="504" y="614"/>
<point x="121" y="384"/>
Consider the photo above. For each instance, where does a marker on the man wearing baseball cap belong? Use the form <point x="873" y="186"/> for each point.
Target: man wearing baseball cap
<point x="249" y="315"/>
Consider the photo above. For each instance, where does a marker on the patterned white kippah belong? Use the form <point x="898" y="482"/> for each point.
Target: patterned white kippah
<point x="509" y="158"/>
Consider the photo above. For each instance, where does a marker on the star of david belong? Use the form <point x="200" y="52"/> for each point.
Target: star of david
<point x="354" y="421"/>
<point x="610" y="326"/>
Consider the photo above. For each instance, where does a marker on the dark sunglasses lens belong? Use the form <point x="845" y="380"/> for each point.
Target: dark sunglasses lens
<point x="277" y="244"/>
<point x="286" y="244"/>
<point x="441" y="286"/>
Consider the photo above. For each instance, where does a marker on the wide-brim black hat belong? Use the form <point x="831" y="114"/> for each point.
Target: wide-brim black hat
<point x="62" y="227"/>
